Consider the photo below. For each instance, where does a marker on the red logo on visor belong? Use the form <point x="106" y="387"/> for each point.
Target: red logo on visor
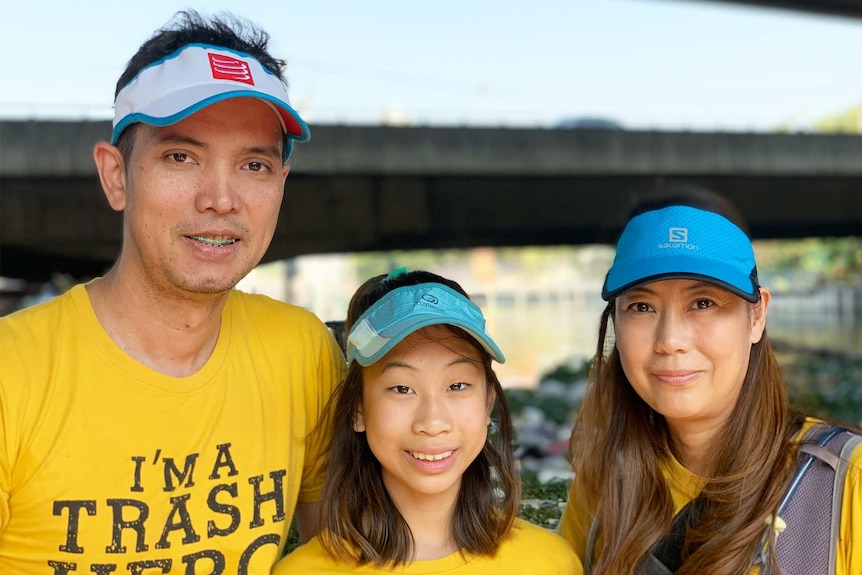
<point x="227" y="68"/>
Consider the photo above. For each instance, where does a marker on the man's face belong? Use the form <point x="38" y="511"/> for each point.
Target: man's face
<point x="202" y="198"/>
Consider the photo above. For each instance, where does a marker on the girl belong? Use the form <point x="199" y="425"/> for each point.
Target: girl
<point x="415" y="483"/>
<point x="686" y="403"/>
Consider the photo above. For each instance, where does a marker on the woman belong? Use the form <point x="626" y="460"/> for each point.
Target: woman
<point x="415" y="483"/>
<point x="686" y="403"/>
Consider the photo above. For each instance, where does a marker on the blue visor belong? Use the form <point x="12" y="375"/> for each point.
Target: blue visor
<point x="410" y="308"/>
<point x="681" y="242"/>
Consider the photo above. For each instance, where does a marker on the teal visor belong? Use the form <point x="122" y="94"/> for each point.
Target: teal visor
<point x="410" y="308"/>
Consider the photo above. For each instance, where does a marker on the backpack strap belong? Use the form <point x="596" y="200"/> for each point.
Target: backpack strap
<point x="668" y="550"/>
<point x="811" y="508"/>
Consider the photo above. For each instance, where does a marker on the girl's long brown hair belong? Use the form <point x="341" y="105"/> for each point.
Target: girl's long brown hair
<point x="359" y="521"/>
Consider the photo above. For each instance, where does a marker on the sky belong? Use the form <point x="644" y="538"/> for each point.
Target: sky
<point x="646" y="64"/>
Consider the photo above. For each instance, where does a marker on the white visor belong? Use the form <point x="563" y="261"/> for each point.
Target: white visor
<point x="196" y="76"/>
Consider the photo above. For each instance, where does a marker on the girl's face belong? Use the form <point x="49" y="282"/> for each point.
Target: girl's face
<point x="684" y="346"/>
<point x="425" y="411"/>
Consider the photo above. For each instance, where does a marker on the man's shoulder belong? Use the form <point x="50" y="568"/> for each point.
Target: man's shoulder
<point x="266" y="315"/>
<point x="38" y="317"/>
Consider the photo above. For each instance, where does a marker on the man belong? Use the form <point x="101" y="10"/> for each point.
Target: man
<point x="156" y="420"/>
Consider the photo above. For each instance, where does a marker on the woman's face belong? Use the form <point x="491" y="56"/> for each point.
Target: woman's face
<point x="425" y="412"/>
<point x="684" y="346"/>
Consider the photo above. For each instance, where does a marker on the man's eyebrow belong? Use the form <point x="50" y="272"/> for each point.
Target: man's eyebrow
<point x="268" y="151"/>
<point x="164" y="137"/>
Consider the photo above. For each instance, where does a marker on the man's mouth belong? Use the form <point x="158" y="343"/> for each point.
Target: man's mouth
<point x="216" y="241"/>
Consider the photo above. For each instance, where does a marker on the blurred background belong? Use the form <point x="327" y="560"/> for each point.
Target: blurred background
<point x="760" y="101"/>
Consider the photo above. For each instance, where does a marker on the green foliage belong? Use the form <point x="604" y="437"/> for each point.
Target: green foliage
<point x="568" y="373"/>
<point x="847" y="122"/>
<point x="826" y="386"/>
<point x="829" y="260"/>
<point x="554" y="409"/>
<point x="292" y="538"/>
<point x="542" y="503"/>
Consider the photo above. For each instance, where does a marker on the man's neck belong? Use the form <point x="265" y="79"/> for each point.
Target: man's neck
<point x="171" y="335"/>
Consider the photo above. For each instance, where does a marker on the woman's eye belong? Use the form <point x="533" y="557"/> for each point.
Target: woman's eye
<point x="401" y="389"/>
<point x="459" y="386"/>
<point x="640" y="307"/>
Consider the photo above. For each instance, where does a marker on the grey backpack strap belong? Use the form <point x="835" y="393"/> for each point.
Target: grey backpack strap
<point x="665" y="557"/>
<point x="811" y="509"/>
<point x="821" y="453"/>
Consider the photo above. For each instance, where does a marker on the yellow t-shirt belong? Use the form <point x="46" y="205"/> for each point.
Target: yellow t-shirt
<point x="529" y="550"/>
<point x="107" y="466"/>
<point x="684" y="486"/>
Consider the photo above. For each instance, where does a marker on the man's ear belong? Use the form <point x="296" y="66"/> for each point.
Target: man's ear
<point x="112" y="174"/>
<point x="358" y="420"/>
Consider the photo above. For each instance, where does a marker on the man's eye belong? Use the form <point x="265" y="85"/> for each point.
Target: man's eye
<point x="259" y="167"/>
<point x="179" y="157"/>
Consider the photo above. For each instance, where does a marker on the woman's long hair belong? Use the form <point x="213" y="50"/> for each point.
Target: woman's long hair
<point x="619" y="445"/>
<point x="359" y="520"/>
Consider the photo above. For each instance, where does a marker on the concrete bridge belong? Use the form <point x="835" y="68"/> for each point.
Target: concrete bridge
<point x="355" y="188"/>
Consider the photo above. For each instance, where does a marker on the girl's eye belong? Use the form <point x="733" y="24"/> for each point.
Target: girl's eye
<point x="401" y="389"/>
<point x="459" y="386"/>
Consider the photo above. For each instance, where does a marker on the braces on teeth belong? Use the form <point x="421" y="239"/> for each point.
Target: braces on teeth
<point x="214" y="242"/>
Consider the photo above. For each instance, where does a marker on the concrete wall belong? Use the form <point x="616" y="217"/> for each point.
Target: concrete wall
<point x="381" y="188"/>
